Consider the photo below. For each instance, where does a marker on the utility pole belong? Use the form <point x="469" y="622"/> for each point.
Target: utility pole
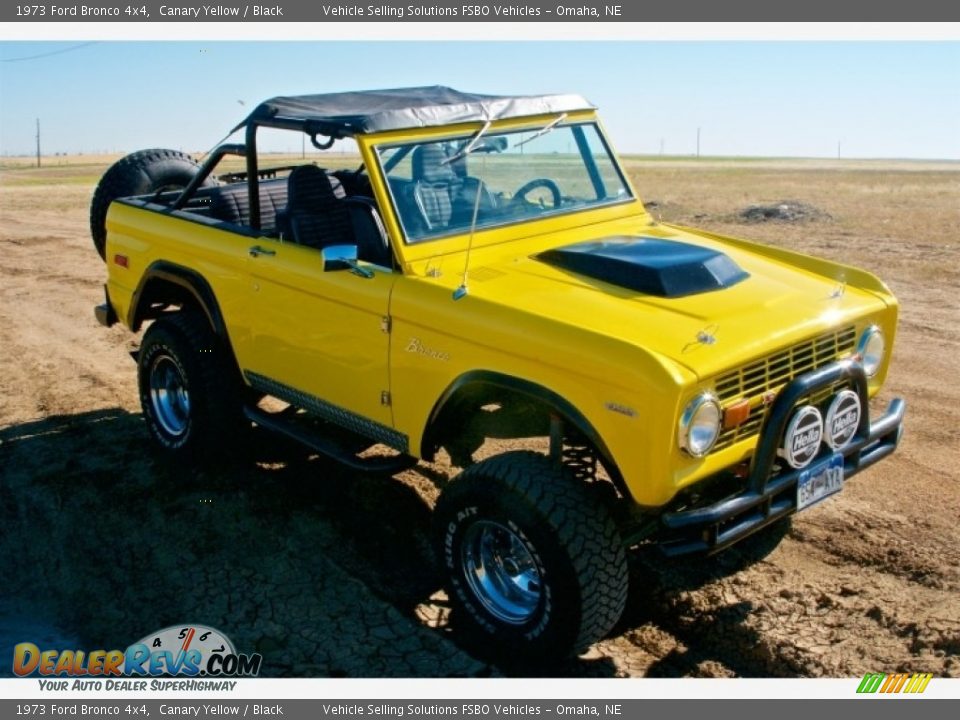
<point x="38" y="142"/>
<point x="698" y="142"/>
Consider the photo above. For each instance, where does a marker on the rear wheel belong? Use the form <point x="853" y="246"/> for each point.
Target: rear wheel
<point x="191" y="407"/>
<point x="535" y="567"/>
<point x="139" y="173"/>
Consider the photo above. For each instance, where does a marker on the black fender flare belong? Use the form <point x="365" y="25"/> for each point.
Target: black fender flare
<point x="197" y="287"/>
<point x="185" y="278"/>
<point x="555" y="402"/>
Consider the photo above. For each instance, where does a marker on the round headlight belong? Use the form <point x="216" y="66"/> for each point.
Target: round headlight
<point x="700" y="425"/>
<point x="870" y="349"/>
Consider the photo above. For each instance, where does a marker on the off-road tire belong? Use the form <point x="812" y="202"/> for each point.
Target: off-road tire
<point x="139" y="173"/>
<point x="574" y="544"/>
<point x="184" y="345"/>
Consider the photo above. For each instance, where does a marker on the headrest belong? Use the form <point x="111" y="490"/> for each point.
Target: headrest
<point x="308" y="185"/>
<point x="428" y="165"/>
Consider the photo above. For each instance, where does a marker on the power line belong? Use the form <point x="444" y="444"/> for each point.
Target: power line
<point x="48" y="54"/>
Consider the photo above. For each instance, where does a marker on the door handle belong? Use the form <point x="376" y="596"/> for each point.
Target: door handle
<point x="257" y="251"/>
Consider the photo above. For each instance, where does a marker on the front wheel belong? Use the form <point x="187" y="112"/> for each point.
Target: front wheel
<point x="535" y="567"/>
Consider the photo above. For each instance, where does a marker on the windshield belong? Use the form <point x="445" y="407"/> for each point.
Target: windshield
<point x="438" y="187"/>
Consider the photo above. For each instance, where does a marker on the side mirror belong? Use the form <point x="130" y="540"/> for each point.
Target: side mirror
<point x="338" y="257"/>
<point x="343" y="257"/>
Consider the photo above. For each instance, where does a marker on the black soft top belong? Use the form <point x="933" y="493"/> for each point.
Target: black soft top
<point x="346" y="114"/>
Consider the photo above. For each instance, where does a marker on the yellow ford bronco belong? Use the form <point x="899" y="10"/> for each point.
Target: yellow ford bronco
<point x="489" y="272"/>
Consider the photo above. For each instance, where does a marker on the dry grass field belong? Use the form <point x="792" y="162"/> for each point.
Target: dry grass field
<point x="328" y="574"/>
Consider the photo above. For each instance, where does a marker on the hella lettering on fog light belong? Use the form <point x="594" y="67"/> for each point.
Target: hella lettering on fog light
<point x="801" y="441"/>
<point x="842" y="420"/>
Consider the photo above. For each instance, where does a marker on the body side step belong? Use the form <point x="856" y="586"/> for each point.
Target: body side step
<point x="328" y="447"/>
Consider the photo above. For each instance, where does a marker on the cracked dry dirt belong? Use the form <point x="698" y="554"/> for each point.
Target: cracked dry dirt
<point x="329" y="574"/>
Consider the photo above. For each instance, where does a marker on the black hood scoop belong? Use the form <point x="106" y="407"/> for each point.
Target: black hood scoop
<point x="653" y="266"/>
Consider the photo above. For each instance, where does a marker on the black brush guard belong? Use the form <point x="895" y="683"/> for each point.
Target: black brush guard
<point x="766" y="499"/>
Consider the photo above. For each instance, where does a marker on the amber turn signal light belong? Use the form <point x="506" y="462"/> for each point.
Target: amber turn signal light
<point x="736" y="414"/>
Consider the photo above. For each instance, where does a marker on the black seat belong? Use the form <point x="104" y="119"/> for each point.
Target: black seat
<point x="320" y="214"/>
<point x="316" y="214"/>
<point x="444" y="193"/>
<point x="435" y="184"/>
<point x="370" y="233"/>
<point x="467" y="192"/>
<point x="231" y="203"/>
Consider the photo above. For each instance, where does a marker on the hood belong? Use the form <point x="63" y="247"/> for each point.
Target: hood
<point x="703" y="303"/>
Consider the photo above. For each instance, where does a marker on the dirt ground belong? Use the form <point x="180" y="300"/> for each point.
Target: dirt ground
<point x="328" y="573"/>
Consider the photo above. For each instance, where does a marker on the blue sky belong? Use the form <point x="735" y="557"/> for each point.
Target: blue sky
<point x="877" y="99"/>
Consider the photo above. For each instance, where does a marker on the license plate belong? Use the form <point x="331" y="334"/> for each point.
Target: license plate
<point x="819" y="481"/>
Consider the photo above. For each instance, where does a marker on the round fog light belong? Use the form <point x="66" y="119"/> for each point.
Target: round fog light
<point x="801" y="441"/>
<point x="843" y="418"/>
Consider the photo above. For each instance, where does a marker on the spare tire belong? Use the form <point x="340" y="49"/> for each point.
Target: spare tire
<point x="139" y="173"/>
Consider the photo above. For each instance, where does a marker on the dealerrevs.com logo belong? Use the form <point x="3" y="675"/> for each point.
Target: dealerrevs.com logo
<point x="178" y="651"/>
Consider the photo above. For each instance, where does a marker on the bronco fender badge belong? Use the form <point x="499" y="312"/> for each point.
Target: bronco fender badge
<point x="622" y="409"/>
<point x="415" y="346"/>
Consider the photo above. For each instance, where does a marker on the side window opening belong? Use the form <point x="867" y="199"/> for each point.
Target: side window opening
<point x="298" y="202"/>
<point x="301" y="203"/>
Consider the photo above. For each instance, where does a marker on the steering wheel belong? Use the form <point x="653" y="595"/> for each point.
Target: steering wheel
<point x="521" y="194"/>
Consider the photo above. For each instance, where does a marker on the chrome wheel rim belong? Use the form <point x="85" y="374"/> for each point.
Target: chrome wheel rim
<point x="500" y="569"/>
<point x="169" y="397"/>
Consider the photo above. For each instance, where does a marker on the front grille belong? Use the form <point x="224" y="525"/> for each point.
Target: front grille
<point x="770" y="373"/>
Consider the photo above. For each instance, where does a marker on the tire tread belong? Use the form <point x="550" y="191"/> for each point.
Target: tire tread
<point x="582" y="526"/>
<point x="213" y="394"/>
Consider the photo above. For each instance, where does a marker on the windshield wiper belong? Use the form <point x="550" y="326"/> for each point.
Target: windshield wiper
<point x="544" y="130"/>
<point x="468" y="148"/>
